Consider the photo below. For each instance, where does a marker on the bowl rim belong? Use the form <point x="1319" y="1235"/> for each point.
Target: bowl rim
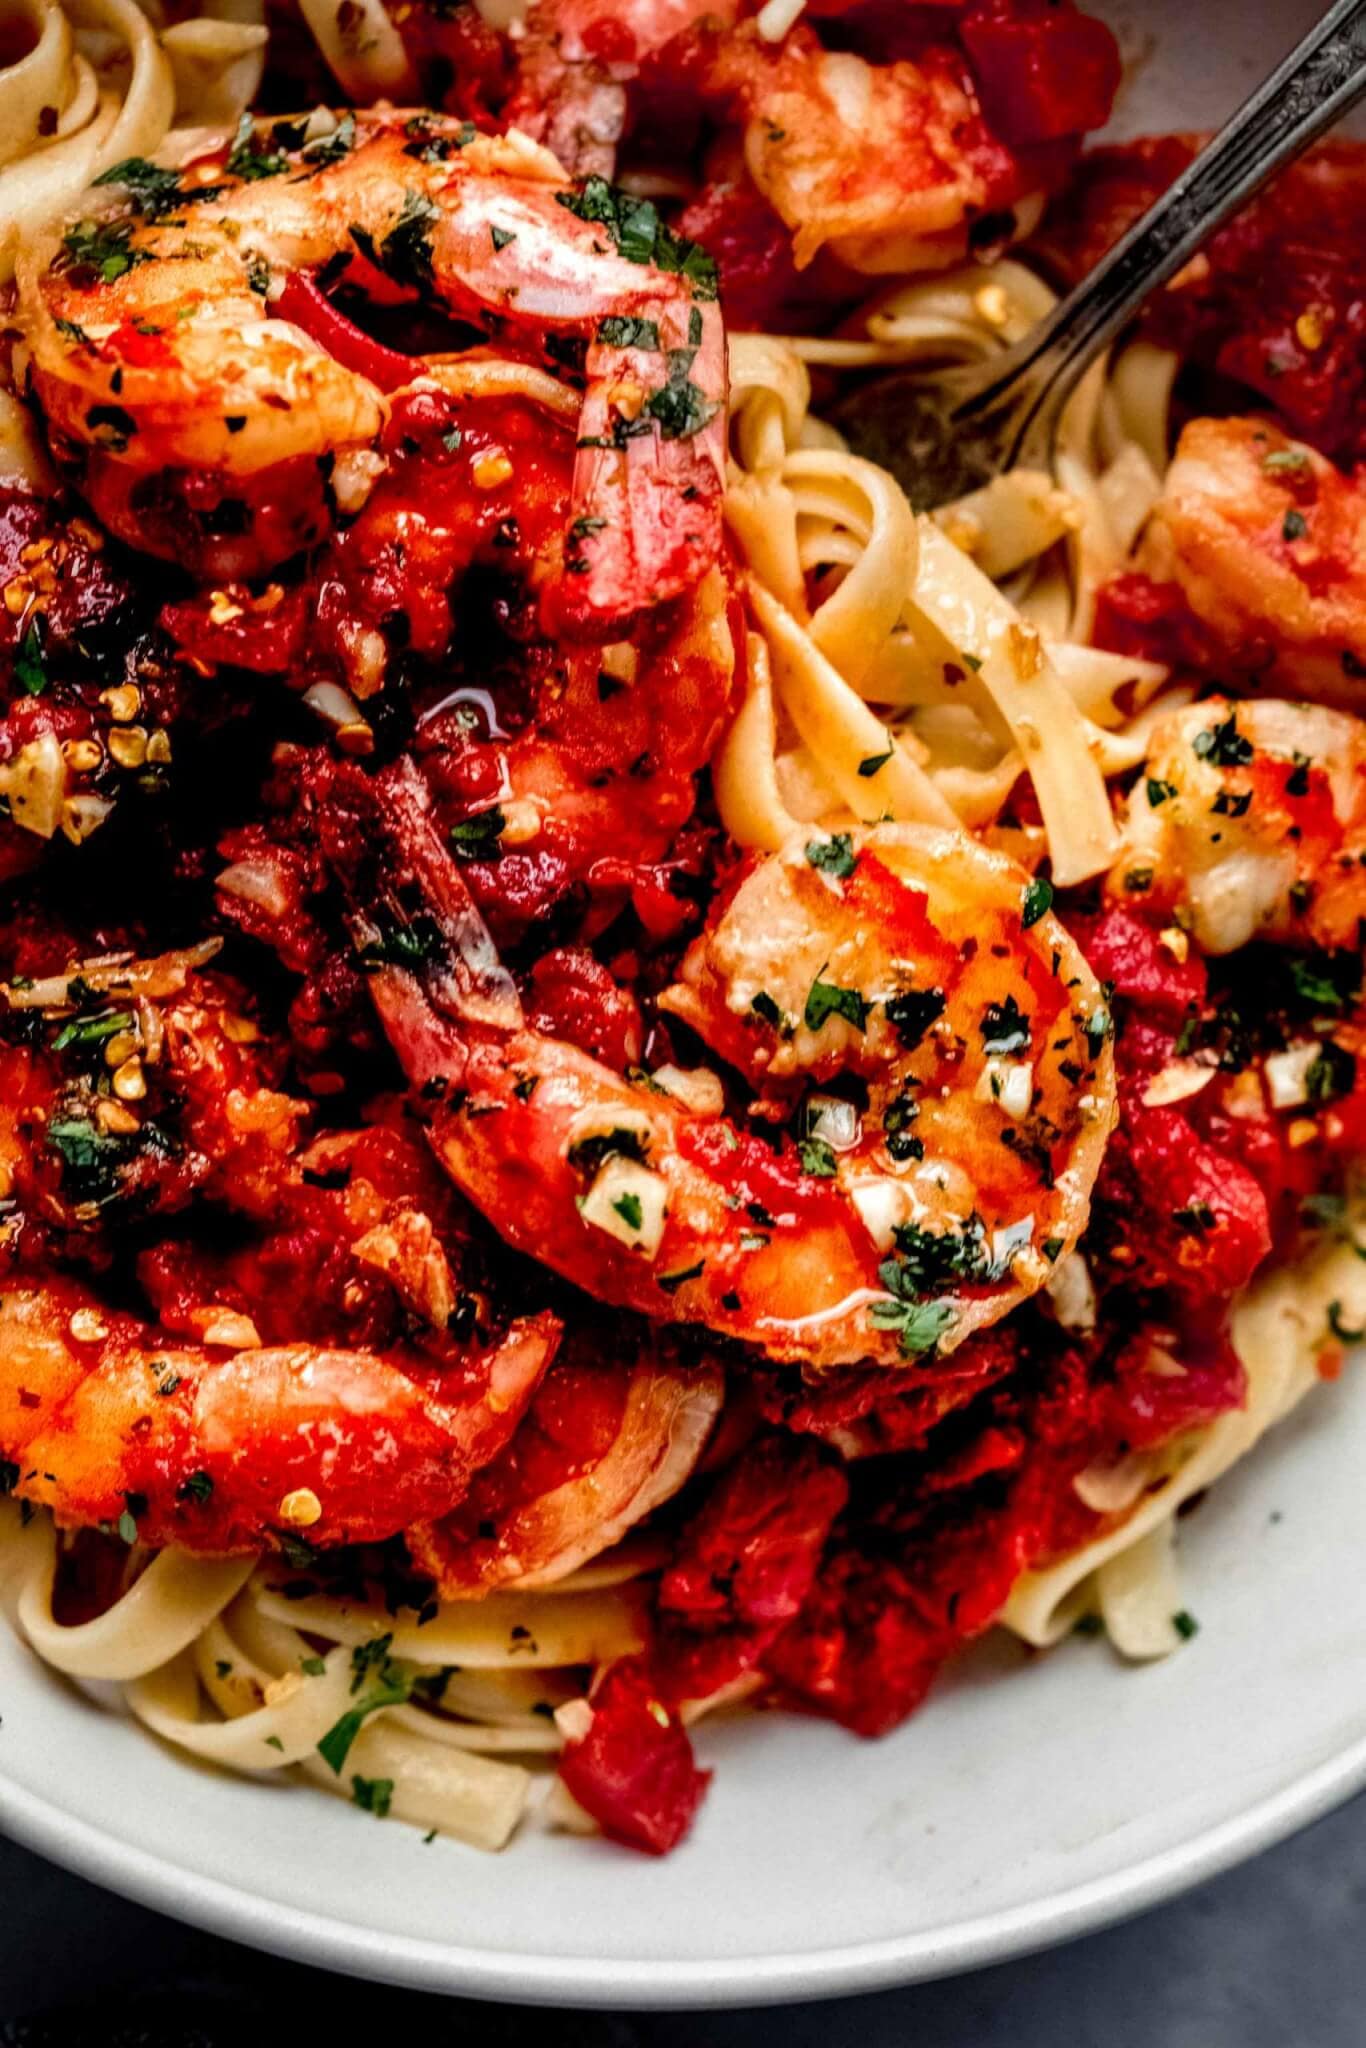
<point x="321" y="1941"/>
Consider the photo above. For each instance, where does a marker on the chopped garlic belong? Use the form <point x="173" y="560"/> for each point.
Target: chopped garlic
<point x="697" y="1087"/>
<point x="605" y="1120"/>
<point x="882" y="1204"/>
<point x="1177" y="1080"/>
<point x="1072" y="1294"/>
<point x="629" y="1202"/>
<point x="1009" y="1084"/>
<point x="1287" y="1074"/>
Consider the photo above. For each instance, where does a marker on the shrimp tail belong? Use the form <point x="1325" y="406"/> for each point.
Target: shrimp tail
<point x="421" y="938"/>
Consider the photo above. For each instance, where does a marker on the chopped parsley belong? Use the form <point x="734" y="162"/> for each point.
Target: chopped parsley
<point x="1331" y="1074"/>
<point x="390" y="1686"/>
<point x="640" y="235"/>
<point x="152" y="190"/>
<point x="30" y="662"/>
<point x="1222" y="745"/>
<point x="1160" y="792"/>
<point x="817" y="1157"/>
<point x="330" y="149"/>
<point x="1185" y="1625"/>
<point x="1005" y="1028"/>
<point x="1326" y="981"/>
<point x="1294" y="526"/>
<point x="629" y="1210"/>
<point x="871" y="764"/>
<point x="245" y="160"/>
<point x="897" y="1119"/>
<point x="409" y="945"/>
<point x="1195" y="1219"/>
<point x="1097" y="1028"/>
<point x="102" y="248"/>
<point x="198" y="1487"/>
<point x="477" y="838"/>
<point x="90" y="1158"/>
<point x="1038" y="900"/>
<point x="372" y="1795"/>
<point x="589" y="1153"/>
<point x="764" y="1007"/>
<point x="834" y="856"/>
<point x="91" y="1031"/>
<point x="919" y="1324"/>
<point x="405" y="254"/>
<point x="501" y="237"/>
<point x="827" y="999"/>
<point x="930" y="1261"/>
<point x="681" y="409"/>
<point x="627" y="330"/>
<point x="912" y="1012"/>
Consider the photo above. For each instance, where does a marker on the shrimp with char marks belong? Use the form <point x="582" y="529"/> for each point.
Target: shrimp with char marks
<point x="172" y="356"/>
<point x="911" y="968"/>
<point x="1249" y="822"/>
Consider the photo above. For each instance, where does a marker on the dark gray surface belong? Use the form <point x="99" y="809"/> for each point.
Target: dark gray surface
<point x="1271" y="1956"/>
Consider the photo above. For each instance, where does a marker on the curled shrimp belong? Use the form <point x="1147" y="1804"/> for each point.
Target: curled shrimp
<point x="1249" y="822"/>
<point x="607" y="1439"/>
<point x="218" y="1450"/>
<point x="173" y="359"/>
<point x="914" y="966"/>
<point x="1268" y="541"/>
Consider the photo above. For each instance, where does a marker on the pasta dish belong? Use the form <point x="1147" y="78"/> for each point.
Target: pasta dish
<point x="635" y="1081"/>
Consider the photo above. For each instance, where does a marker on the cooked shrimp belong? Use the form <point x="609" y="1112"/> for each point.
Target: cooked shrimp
<point x="196" y="418"/>
<point x="888" y="164"/>
<point x="607" y="1439"/>
<point x="216" y="1450"/>
<point x="575" y="63"/>
<point x="921" y="1204"/>
<point x="1268" y="542"/>
<point x="113" y="1106"/>
<point x="129" y="1084"/>
<point x="1249" y="822"/>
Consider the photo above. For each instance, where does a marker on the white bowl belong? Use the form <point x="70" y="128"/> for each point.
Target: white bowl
<point x="1033" y="1798"/>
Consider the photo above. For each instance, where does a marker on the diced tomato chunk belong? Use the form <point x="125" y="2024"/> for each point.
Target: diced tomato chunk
<point x="747" y="1562"/>
<point x="1043" y="70"/>
<point x="1128" y="951"/>
<point x="634" y="1769"/>
<point x="575" y="998"/>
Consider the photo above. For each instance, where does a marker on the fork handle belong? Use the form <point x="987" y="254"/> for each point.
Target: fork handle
<point x="1320" y="79"/>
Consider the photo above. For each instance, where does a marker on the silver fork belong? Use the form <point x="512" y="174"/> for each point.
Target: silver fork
<point x="945" y="436"/>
